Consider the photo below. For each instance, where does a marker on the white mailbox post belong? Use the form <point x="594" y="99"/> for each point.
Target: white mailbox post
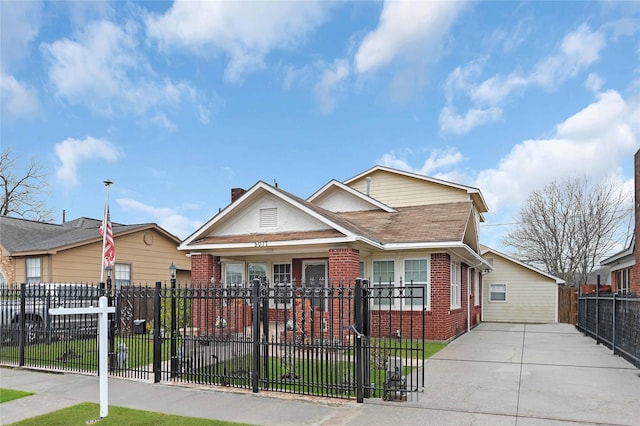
<point x="102" y="310"/>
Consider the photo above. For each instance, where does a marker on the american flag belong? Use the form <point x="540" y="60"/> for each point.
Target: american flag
<point x="109" y="248"/>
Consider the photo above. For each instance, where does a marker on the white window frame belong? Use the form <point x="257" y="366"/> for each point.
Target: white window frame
<point x="228" y="266"/>
<point x="456" y="277"/>
<point x="476" y="288"/>
<point x="378" y="302"/>
<point x="408" y="302"/>
<point x="492" y="291"/>
<point x="122" y="275"/>
<point x="250" y="273"/>
<point x="279" y="301"/>
<point x="33" y="266"/>
<point x="624" y="280"/>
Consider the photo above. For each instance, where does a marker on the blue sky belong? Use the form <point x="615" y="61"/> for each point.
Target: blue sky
<point x="179" y="102"/>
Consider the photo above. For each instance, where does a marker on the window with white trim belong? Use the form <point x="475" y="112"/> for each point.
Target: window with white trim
<point x="233" y="274"/>
<point x="416" y="282"/>
<point x="476" y="289"/>
<point x="257" y="271"/>
<point x="383" y="281"/>
<point x="455" y="285"/>
<point x="122" y="273"/>
<point x="623" y="278"/>
<point x="498" y="292"/>
<point x="282" y="282"/>
<point x="33" y="273"/>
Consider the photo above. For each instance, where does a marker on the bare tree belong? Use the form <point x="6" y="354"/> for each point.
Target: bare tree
<point x="567" y="227"/>
<point x="21" y="192"/>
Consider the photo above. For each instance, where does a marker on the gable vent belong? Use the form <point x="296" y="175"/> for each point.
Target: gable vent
<point x="269" y="218"/>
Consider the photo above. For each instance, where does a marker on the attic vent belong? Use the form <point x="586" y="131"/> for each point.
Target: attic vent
<point x="269" y="218"/>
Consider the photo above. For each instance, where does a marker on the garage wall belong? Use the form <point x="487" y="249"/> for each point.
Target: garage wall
<point x="531" y="297"/>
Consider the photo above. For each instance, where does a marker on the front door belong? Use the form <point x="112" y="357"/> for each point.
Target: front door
<point x="315" y="274"/>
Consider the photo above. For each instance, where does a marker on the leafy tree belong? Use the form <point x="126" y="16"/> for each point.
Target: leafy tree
<point x="21" y="191"/>
<point x="568" y="226"/>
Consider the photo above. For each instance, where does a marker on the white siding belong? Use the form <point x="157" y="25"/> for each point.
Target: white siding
<point x="342" y="201"/>
<point x="531" y="297"/>
<point x="247" y="221"/>
<point x="401" y="191"/>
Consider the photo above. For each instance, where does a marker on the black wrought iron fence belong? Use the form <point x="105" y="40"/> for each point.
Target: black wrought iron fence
<point x="348" y="341"/>
<point x="614" y="320"/>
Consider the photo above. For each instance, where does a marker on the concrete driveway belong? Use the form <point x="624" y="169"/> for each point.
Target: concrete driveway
<point x="530" y="375"/>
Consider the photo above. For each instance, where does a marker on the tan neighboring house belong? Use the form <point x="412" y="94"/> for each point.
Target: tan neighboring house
<point x="71" y="252"/>
<point x="517" y="292"/>
<point x="390" y="226"/>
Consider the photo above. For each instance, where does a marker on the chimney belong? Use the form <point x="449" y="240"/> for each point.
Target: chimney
<point x="237" y="193"/>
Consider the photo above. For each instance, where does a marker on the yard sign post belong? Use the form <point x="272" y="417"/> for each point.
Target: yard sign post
<point x="102" y="311"/>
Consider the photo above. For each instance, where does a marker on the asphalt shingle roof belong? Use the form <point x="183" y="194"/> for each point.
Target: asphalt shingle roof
<point x="21" y="235"/>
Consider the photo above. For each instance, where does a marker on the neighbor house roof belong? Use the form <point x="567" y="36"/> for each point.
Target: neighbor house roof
<point x="25" y="237"/>
<point x="485" y="250"/>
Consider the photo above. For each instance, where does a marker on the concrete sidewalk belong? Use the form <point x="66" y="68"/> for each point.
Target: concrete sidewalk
<point x="496" y="374"/>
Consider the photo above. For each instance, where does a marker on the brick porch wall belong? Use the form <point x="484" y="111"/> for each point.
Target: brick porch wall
<point x="205" y="271"/>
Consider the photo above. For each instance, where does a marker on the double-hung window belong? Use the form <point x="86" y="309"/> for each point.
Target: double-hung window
<point x="455" y="285"/>
<point x="498" y="292"/>
<point x="122" y="275"/>
<point x="33" y="270"/>
<point x="476" y="289"/>
<point x="383" y="281"/>
<point x="282" y="282"/>
<point x="416" y="283"/>
<point x="257" y="271"/>
<point x="233" y="274"/>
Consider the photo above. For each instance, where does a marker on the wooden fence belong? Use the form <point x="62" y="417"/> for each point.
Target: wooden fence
<point x="568" y="304"/>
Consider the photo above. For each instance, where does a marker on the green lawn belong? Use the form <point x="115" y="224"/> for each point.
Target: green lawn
<point x="87" y="413"/>
<point x="83" y="352"/>
<point x="10" y="394"/>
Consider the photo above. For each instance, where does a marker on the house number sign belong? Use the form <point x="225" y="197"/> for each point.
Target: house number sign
<point x="261" y="244"/>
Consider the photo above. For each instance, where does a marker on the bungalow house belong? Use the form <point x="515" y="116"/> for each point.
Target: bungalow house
<point x="517" y="292"/>
<point x="71" y="252"/>
<point x="621" y="265"/>
<point x="386" y="225"/>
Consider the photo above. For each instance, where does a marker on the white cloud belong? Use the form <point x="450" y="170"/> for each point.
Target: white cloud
<point x="245" y="32"/>
<point x="594" y="82"/>
<point x="330" y="83"/>
<point x="405" y="29"/>
<point x="591" y="142"/>
<point x="452" y="122"/>
<point x="101" y="68"/>
<point x="438" y="159"/>
<point x="71" y="152"/>
<point x="577" y="51"/>
<point x="21" y="22"/>
<point x="18" y="99"/>
<point x="166" y="217"/>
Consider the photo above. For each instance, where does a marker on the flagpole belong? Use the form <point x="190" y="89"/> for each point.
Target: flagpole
<point x="104" y="229"/>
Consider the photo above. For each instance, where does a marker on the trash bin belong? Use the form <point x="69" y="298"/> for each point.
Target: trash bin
<point x="139" y="326"/>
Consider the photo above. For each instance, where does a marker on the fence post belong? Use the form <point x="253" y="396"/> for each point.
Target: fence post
<point x="358" y="347"/>
<point x="598" y="310"/>
<point x="157" y="340"/>
<point x="255" y="313"/>
<point x="174" y="350"/>
<point x="22" y="331"/>
<point x="613" y="338"/>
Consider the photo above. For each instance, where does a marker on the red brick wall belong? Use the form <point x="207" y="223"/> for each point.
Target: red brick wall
<point x="444" y="322"/>
<point x="634" y="286"/>
<point x="344" y="266"/>
<point x="205" y="271"/>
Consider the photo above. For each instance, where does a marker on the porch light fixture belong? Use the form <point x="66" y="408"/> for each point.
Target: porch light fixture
<point x="109" y="269"/>
<point x="172" y="270"/>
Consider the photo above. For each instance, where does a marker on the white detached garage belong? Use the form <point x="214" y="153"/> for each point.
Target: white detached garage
<point x="516" y="292"/>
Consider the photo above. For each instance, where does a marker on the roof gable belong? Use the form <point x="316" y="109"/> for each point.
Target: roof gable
<point x="399" y="188"/>
<point x="338" y="197"/>
<point x="487" y="250"/>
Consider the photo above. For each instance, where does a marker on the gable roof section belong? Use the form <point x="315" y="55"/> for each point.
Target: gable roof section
<point x="337" y="227"/>
<point x="623" y="256"/>
<point x="335" y="186"/>
<point x="26" y="237"/>
<point x="486" y="250"/>
<point x="474" y="193"/>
